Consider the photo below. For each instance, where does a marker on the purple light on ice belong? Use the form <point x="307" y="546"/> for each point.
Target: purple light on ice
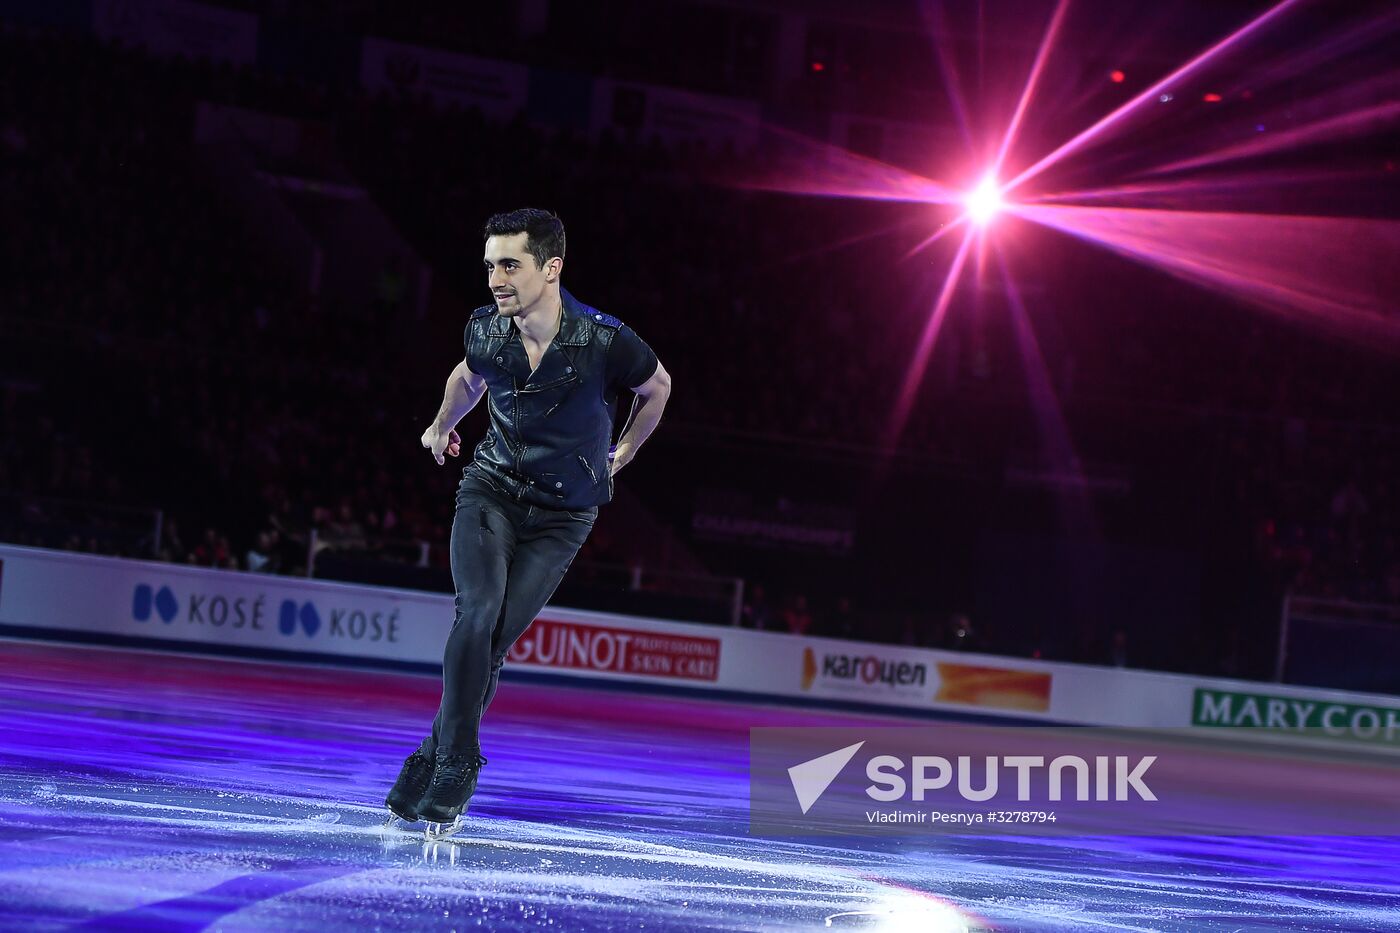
<point x="256" y="807"/>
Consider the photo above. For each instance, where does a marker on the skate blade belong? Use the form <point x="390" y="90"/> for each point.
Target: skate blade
<point x="395" y="823"/>
<point x="436" y="832"/>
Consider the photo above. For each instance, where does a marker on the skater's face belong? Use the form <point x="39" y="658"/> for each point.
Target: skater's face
<point x="517" y="282"/>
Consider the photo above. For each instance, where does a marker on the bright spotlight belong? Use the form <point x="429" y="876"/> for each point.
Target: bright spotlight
<point x="984" y="201"/>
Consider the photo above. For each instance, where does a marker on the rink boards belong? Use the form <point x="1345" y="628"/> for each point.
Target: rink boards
<point x="59" y="595"/>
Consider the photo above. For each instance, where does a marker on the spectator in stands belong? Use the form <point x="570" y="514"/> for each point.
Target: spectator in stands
<point x="1349" y="511"/>
<point x="1390" y="584"/>
<point x="1118" y="649"/>
<point x="758" y="612"/>
<point x="392" y="286"/>
<point x="797" y="617"/>
<point x="914" y="630"/>
<point x="344" y="530"/>
<point x="263" y="557"/>
<point x="842" y="621"/>
<point x="212" y="551"/>
<point x="959" y="635"/>
<point x="172" y="548"/>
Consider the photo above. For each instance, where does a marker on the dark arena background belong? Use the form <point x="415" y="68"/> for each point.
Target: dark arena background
<point x="1035" y="362"/>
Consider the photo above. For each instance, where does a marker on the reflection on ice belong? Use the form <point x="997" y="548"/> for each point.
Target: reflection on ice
<point x="904" y="913"/>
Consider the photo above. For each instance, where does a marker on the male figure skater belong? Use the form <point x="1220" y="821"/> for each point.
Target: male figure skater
<point x="552" y="369"/>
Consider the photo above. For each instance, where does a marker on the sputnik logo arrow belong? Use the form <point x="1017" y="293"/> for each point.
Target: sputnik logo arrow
<point x="811" y="778"/>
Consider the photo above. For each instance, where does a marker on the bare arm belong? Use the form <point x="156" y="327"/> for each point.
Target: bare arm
<point x="464" y="389"/>
<point x="653" y="395"/>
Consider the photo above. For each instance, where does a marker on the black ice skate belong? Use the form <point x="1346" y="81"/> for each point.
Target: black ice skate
<point x="413" y="781"/>
<point x="454" y="782"/>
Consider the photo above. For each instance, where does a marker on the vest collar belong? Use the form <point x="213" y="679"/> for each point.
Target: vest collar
<point x="575" y="327"/>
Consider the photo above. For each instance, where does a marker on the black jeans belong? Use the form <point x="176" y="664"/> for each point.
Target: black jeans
<point x="507" y="560"/>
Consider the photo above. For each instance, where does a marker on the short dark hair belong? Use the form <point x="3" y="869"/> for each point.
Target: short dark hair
<point x="544" y="231"/>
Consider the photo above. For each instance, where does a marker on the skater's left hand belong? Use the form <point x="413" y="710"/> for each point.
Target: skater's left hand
<point x="619" y="457"/>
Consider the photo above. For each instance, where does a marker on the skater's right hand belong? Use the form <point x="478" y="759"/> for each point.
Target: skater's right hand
<point x="439" y="443"/>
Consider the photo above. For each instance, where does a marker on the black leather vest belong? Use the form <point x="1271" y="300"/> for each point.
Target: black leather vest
<point x="551" y="430"/>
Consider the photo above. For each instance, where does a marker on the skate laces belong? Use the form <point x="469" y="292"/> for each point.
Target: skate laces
<point x="416" y="765"/>
<point x="453" y="769"/>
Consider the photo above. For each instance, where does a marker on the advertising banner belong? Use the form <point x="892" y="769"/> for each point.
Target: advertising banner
<point x="192" y="608"/>
<point x="920" y="678"/>
<point x="170" y="602"/>
<point x="498" y="89"/>
<point x="177" y="27"/>
<point x="1329" y="719"/>
<point x="735" y="518"/>
<point x="674" y="116"/>
<point x="199" y="607"/>
<point x="577" y="646"/>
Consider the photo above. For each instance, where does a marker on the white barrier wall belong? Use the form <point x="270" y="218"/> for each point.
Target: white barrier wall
<point x="48" y="592"/>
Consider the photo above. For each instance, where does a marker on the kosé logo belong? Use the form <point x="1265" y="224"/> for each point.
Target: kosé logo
<point x="163" y="602"/>
<point x="255" y="611"/>
<point x="215" y="610"/>
<point x="291" y="614"/>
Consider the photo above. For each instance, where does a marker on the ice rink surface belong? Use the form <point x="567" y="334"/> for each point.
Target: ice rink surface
<point x="157" y="791"/>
